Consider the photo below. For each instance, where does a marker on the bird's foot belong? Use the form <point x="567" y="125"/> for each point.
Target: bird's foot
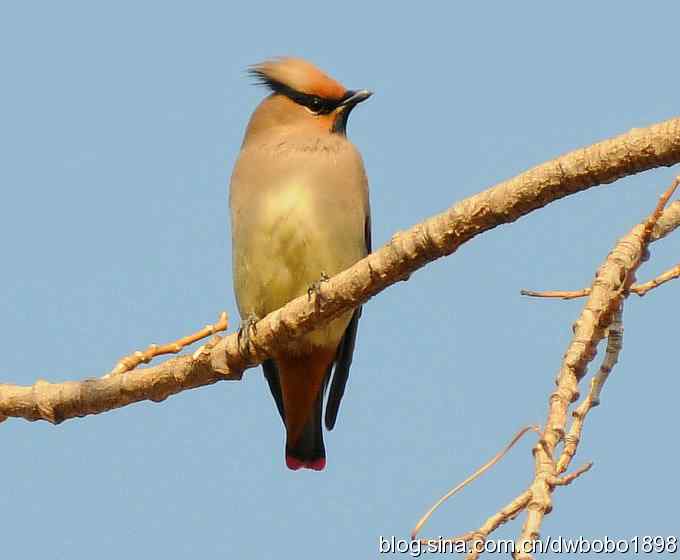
<point x="315" y="289"/>
<point x="248" y="325"/>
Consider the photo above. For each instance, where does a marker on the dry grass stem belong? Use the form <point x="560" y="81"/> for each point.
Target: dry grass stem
<point x="481" y="470"/>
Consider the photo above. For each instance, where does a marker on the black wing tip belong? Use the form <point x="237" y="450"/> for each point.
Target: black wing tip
<point x="343" y="364"/>
<point x="330" y="417"/>
<point x="271" y="374"/>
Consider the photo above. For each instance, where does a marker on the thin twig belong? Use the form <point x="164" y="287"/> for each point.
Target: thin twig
<point x="642" y="289"/>
<point x="569" y="478"/>
<point x="133" y="360"/>
<point x="561" y="294"/>
<point x="639" y="289"/>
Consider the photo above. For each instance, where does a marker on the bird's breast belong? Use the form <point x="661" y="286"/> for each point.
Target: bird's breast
<point x="290" y="224"/>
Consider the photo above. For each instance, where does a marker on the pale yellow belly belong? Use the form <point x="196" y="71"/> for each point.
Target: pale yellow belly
<point x="284" y="246"/>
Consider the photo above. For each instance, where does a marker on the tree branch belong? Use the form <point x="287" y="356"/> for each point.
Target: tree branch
<point x="604" y="162"/>
<point x="602" y="311"/>
<point x="668" y="221"/>
<point x="600" y="317"/>
<point x="136" y="358"/>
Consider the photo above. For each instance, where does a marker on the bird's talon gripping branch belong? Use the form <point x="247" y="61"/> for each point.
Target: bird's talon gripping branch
<point x="315" y="288"/>
<point x="247" y="324"/>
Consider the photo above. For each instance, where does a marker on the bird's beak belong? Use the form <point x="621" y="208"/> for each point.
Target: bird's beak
<point x="354" y="97"/>
<point x="345" y="107"/>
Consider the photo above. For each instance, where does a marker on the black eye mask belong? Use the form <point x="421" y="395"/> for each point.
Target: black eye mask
<point x="317" y="105"/>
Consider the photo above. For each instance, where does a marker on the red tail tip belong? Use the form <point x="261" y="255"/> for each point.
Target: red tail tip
<point x="294" y="463"/>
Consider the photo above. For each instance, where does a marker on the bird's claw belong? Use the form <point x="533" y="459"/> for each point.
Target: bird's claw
<point x="315" y="288"/>
<point x="247" y="324"/>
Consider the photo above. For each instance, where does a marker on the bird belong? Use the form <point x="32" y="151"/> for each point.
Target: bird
<point x="299" y="205"/>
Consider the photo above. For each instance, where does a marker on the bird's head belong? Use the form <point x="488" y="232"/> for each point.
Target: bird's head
<point x="302" y="98"/>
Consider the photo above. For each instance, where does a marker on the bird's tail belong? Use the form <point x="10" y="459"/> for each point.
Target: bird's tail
<point x="307" y="450"/>
<point x="302" y="384"/>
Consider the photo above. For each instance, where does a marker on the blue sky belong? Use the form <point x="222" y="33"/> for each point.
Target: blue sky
<point x="120" y="126"/>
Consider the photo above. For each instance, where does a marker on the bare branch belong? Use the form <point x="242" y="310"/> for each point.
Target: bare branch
<point x="642" y="289"/>
<point x="133" y="360"/>
<point x="611" y="357"/>
<point x="561" y="294"/>
<point x="608" y="290"/>
<point x="601" y="315"/>
<point x="668" y="221"/>
<point x="638" y="289"/>
<point x="56" y="402"/>
<point x="569" y="478"/>
<point x="604" y="162"/>
<point x="441" y="235"/>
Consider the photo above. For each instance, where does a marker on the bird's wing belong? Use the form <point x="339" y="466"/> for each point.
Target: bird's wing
<point x="343" y="359"/>
<point x="367" y="234"/>
<point x="271" y="373"/>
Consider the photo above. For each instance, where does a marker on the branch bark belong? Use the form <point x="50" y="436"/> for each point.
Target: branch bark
<point x="601" y="316"/>
<point x="602" y="310"/>
<point x="635" y="151"/>
<point x="668" y="221"/>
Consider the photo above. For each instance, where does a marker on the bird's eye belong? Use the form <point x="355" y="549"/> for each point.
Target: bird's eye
<point x="315" y="104"/>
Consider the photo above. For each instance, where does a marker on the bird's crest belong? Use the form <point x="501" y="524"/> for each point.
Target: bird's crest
<point x="283" y="75"/>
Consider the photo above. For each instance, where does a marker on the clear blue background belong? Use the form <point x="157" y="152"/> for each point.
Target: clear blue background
<point x="120" y="124"/>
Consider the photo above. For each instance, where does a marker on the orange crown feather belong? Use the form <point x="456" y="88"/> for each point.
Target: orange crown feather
<point x="298" y="75"/>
